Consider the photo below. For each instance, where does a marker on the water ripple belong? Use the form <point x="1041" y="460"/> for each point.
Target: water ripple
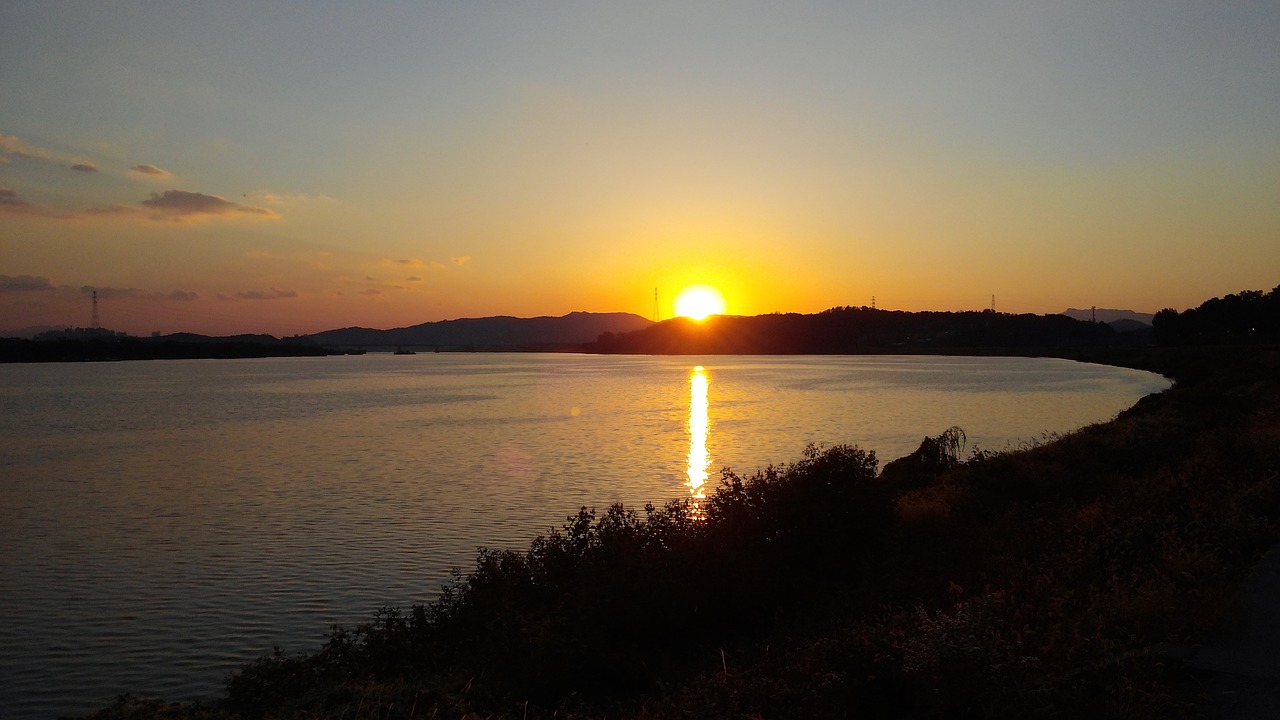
<point x="168" y="522"/>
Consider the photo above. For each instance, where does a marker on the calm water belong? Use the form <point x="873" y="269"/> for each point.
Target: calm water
<point x="166" y="522"/>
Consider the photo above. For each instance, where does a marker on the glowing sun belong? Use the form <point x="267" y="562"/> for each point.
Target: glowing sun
<point x="699" y="301"/>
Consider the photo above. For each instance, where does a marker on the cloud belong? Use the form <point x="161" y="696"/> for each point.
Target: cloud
<point x="272" y="294"/>
<point x="110" y="293"/>
<point x="272" y="198"/>
<point x="183" y="205"/>
<point x="403" y="263"/>
<point x="460" y="260"/>
<point x="9" y="198"/>
<point x="371" y="291"/>
<point x="11" y="202"/>
<point x="24" y="283"/>
<point x="414" y="278"/>
<point x="172" y="205"/>
<point x="11" y="145"/>
<point x="85" y="166"/>
<point x="113" y="210"/>
<point x="150" y="172"/>
<point x="175" y="296"/>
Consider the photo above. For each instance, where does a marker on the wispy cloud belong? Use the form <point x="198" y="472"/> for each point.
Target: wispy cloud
<point x="147" y="171"/>
<point x="11" y="145"/>
<point x="9" y="198"/>
<point x="177" y="296"/>
<point x="181" y="205"/>
<point x="11" y="202"/>
<point x="171" y="205"/>
<point x="460" y="260"/>
<point x="272" y="294"/>
<point x="108" y="293"/>
<point x="24" y="283"/>
<point x="407" y="262"/>
<point x="272" y="198"/>
<point x="413" y="278"/>
<point x="113" y="210"/>
<point x="371" y="291"/>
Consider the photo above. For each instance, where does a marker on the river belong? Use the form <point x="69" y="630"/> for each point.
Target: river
<point x="166" y="522"/>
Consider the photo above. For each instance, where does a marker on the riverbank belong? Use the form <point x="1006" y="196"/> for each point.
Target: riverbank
<point x="1057" y="580"/>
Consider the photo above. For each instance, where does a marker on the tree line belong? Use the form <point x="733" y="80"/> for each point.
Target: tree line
<point x="855" y="330"/>
<point x="1249" y="317"/>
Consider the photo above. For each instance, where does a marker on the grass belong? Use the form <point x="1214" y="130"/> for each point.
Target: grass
<point x="1050" y="581"/>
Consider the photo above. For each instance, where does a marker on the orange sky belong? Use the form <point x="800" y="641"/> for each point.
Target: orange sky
<point x="305" y="167"/>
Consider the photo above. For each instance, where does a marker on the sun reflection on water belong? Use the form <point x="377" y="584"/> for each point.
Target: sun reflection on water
<point x="699" y="428"/>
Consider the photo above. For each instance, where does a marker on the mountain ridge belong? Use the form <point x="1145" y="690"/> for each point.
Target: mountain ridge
<point x="1108" y="315"/>
<point x="497" y="331"/>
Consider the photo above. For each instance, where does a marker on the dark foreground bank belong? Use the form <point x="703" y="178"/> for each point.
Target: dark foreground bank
<point x="1064" y="580"/>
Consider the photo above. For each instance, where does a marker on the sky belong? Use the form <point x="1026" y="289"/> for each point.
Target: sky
<point x="290" y="167"/>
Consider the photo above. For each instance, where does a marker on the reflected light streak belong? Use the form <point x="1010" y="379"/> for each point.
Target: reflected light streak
<point x="699" y="428"/>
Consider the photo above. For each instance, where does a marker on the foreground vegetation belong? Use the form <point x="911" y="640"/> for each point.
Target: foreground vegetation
<point x="1057" y="580"/>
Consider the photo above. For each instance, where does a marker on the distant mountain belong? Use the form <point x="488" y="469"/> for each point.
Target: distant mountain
<point x="1108" y="315"/>
<point x="1127" y="325"/>
<point x="185" y="337"/>
<point x="489" y="332"/>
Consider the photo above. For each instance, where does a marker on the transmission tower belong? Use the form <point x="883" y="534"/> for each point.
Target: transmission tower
<point x="993" y="302"/>
<point x="656" y="316"/>
<point x="873" y="302"/>
<point x="93" y="319"/>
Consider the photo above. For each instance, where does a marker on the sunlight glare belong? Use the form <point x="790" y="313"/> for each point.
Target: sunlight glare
<point x="699" y="428"/>
<point x="699" y="301"/>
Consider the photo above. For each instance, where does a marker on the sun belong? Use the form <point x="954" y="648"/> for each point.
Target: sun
<point x="699" y="301"/>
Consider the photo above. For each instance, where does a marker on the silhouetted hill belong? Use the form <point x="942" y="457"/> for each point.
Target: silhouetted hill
<point x="1127" y="325"/>
<point x="857" y="330"/>
<point x="498" y="332"/>
<point x="1249" y="317"/>
<point x="1108" y="315"/>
